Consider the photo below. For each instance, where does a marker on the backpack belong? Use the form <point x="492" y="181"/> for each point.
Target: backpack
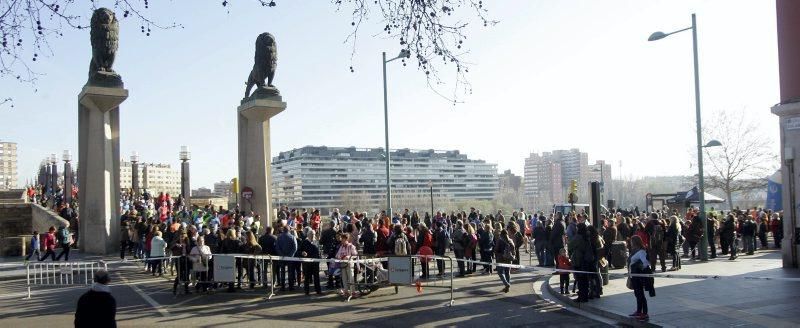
<point x="658" y="236"/>
<point x="400" y="246"/>
<point x="63" y="237"/>
<point x="508" y="251"/>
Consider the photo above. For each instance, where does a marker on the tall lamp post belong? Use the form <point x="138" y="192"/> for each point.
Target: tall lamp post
<point x="135" y="175"/>
<point x="701" y="185"/>
<point x="602" y="182"/>
<point x="185" y="156"/>
<point x="430" y="185"/>
<point x="54" y="172"/>
<point x="403" y="54"/>
<point x="67" y="157"/>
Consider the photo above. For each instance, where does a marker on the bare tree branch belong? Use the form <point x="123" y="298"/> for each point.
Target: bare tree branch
<point x="745" y="158"/>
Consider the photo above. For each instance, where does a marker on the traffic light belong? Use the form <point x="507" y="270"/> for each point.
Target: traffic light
<point x="573" y="186"/>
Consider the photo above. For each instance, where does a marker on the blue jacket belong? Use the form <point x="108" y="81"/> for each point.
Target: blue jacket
<point x="286" y="245"/>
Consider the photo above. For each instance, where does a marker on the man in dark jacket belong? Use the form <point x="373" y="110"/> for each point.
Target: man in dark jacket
<point x="695" y="233"/>
<point x="557" y="236"/>
<point x="310" y="269"/>
<point x="486" y="246"/>
<point x="286" y="246"/>
<point x="329" y="243"/>
<point x="441" y="245"/>
<point x="97" y="307"/>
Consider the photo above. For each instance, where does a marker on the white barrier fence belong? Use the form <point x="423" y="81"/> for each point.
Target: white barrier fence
<point x="61" y="274"/>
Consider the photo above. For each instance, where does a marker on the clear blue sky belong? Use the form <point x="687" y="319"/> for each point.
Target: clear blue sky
<point x="552" y="74"/>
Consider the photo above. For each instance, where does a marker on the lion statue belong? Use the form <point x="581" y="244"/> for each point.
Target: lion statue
<point x="105" y="40"/>
<point x="265" y="61"/>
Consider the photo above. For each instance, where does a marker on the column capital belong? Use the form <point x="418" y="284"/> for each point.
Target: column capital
<point x="102" y="98"/>
<point x="261" y="109"/>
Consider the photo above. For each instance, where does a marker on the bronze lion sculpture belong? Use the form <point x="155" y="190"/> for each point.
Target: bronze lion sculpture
<point x="265" y="61"/>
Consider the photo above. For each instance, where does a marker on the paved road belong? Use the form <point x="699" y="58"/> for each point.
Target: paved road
<point x="146" y="301"/>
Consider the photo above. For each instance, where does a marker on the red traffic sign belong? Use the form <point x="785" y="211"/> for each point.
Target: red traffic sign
<point x="247" y="192"/>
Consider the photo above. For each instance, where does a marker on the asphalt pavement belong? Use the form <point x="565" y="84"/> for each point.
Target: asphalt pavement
<point x="143" y="300"/>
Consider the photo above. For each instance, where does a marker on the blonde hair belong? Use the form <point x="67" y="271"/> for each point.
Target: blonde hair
<point x="673" y="221"/>
<point x="158" y="233"/>
<point x="231" y="234"/>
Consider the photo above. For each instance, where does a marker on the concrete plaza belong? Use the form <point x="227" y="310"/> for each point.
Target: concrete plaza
<point x="143" y="300"/>
<point x="728" y="301"/>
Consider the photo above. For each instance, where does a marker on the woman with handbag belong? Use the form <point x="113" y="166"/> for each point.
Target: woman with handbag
<point x="638" y="264"/>
<point x="200" y="256"/>
<point x="345" y="252"/>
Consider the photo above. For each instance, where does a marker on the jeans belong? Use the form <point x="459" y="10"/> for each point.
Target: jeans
<point x="749" y="243"/>
<point x="64" y="251"/>
<point x="460" y="256"/>
<point x="564" y="282"/>
<point x="34" y="251"/>
<point x="47" y="253"/>
<point x="504" y="274"/>
<point x="638" y="291"/>
<point x="539" y="248"/>
<point x="486" y="256"/>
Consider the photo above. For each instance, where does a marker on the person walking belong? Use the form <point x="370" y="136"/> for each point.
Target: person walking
<point x="49" y="244"/>
<point x="34" y="247"/>
<point x="639" y="264"/>
<point x="97" y="307"/>
<point x="504" y="253"/>
<point x="65" y="241"/>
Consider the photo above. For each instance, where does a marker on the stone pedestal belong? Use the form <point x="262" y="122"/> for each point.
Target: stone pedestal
<point x="98" y="168"/>
<point x="254" y="153"/>
<point x="790" y="159"/>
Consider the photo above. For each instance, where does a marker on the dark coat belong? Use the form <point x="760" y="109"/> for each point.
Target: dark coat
<point x="557" y="236"/>
<point x="96" y="309"/>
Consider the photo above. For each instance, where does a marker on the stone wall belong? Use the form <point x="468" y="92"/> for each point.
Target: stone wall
<point x="17" y="223"/>
<point x="42" y="219"/>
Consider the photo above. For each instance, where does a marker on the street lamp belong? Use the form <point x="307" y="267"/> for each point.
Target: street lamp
<point x="430" y="185"/>
<point x="135" y="174"/>
<point x="67" y="157"/>
<point x="602" y="181"/>
<point x="403" y="54"/>
<point x="53" y="172"/>
<point x="185" y="156"/>
<point x="658" y="36"/>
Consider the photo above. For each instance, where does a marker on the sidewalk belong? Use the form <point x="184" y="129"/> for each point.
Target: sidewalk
<point x="707" y="303"/>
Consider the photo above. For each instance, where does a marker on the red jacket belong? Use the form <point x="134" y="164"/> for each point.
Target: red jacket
<point x="564" y="263"/>
<point x="49" y="241"/>
<point x="383" y="236"/>
<point x="645" y="238"/>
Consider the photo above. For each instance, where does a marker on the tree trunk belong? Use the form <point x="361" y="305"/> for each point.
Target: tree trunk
<point x="728" y="194"/>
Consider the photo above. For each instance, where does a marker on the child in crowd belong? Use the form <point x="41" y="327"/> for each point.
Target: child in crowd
<point x="34" y="246"/>
<point x="564" y="264"/>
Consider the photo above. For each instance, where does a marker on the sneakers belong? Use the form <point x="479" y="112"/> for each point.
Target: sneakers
<point x="506" y="289"/>
<point x="642" y="317"/>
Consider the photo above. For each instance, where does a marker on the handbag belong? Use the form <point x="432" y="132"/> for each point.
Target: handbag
<point x="629" y="283"/>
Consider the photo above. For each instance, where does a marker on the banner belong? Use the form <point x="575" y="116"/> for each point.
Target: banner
<point x="224" y="268"/>
<point x="774" y="192"/>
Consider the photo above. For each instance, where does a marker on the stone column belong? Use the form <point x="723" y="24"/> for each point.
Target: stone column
<point x="788" y="21"/>
<point x="254" y="152"/>
<point x="98" y="172"/>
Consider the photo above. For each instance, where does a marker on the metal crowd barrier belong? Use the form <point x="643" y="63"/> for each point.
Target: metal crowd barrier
<point x="60" y="274"/>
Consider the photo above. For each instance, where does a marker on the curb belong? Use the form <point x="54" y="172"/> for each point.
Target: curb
<point x="621" y="318"/>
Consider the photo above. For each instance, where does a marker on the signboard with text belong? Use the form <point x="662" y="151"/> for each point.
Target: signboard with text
<point x="401" y="270"/>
